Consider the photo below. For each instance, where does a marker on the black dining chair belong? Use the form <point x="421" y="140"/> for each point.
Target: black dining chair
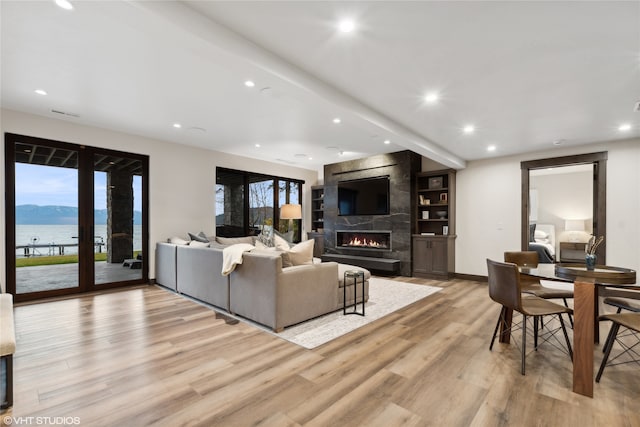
<point x="631" y="322"/>
<point x="532" y="286"/>
<point x="505" y="289"/>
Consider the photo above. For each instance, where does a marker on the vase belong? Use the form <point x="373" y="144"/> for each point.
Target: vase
<point x="590" y="260"/>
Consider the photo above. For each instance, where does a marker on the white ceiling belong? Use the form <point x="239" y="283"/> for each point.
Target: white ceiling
<point x="525" y="74"/>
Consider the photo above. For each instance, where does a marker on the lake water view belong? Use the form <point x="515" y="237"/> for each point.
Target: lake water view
<point x="64" y="234"/>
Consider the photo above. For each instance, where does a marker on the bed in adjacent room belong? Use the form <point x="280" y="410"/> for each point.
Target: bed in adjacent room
<point x="542" y="239"/>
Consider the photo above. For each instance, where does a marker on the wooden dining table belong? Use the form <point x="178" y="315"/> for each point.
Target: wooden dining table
<point x="587" y="285"/>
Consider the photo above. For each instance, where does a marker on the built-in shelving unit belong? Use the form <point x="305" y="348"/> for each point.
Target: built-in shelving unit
<point x="317" y="219"/>
<point x="433" y="252"/>
<point x="317" y="208"/>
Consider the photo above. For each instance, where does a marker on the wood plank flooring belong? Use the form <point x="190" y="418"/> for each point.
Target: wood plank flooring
<point x="145" y="356"/>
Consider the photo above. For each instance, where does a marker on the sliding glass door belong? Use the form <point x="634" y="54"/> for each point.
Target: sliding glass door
<point x="76" y="217"/>
<point x="46" y="218"/>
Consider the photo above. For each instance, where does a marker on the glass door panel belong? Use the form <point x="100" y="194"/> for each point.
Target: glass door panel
<point x="261" y="205"/>
<point x="117" y="212"/>
<point x="46" y="219"/>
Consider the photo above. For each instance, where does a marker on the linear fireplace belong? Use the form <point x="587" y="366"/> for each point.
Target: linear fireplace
<point x="364" y="239"/>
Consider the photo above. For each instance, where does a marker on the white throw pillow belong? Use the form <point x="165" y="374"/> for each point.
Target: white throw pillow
<point x="177" y="241"/>
<point x="302" y="253"/>
<point x="197" y="244"/>
<point x="280" y="243"/>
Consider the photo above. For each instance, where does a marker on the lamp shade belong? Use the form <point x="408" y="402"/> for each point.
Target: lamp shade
<point x="574" y="225"/>
<point x="291" y="212"/>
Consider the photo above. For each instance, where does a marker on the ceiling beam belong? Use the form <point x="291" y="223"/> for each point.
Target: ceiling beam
<point x="220" y="37"/>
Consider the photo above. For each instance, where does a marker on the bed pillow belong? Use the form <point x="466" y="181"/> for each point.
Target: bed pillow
<point x="532" y="232"/>
<point x="302" y="253"/>
<point x="539" y="234"/>
<point x="200" y="237"/>
<point x="198" y="244"/>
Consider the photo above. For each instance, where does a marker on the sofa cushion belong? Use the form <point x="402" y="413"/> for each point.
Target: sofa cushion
<point x="200" y="237"/>
<point x="234" y="240"/>
<point x="177" y="241"/>
<point x="302" y="253"/>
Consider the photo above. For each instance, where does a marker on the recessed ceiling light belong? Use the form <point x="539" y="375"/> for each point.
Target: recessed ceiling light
<point x="386" y="141"/>
<point x="558" y="142"/>
<point x="346" y="26"/>
<point x="432" y="98"/>
<point x="491" y="148"/>
<point x="469" y="129"/>
<point x="249" y="83"/>
<point x="177" y="125"/>
<point x="310" y="158"/>
<point x="65" y="4"/>
<point x="337" y="120"/>
<point x="624" y="127"/>
<point x="40" y="92"/>
<point x="257" y="145"/>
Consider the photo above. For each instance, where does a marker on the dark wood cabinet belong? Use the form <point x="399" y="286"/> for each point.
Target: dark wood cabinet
<point x="318" y="246"/>
<point x="433" y="256"/>
<point x="433" y="251"/>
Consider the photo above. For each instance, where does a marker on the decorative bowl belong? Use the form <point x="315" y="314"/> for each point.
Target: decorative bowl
<point x="441" y="214"/>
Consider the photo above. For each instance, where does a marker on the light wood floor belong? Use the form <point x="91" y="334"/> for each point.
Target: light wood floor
<point x="145" y="356"/>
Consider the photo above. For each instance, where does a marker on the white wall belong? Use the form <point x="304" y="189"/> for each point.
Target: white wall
<point x="181" y="178"/>
<point x="488" y="206"/>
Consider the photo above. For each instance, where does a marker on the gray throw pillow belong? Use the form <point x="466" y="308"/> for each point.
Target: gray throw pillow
<point x="200" y="237"/>
<point x="266" y="240"/>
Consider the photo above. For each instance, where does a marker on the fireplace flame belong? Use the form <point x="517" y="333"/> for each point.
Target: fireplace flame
<point x="357" y="241"/>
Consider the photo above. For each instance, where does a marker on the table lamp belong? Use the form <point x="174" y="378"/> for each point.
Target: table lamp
<point x="573" y="226"/>
<point x="291" y="212"/>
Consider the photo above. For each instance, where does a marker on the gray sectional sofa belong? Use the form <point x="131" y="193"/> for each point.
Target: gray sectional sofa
<point x="259" y="289"/>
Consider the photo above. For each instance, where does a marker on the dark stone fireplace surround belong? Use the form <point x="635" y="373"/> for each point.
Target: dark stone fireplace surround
<point x="401" y="167"/>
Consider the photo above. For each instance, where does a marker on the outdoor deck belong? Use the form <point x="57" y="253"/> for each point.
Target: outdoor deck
<point x="62" y="276"/>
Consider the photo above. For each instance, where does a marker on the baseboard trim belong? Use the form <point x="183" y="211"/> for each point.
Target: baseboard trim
<point x="472" y="277"/>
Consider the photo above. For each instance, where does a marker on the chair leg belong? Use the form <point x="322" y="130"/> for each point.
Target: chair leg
<point x="535" y="332"/>
<point x="495" y="331"/>
<point x="570" y="316"/>
<point x="608" y="346"/>
<point x="604" y="348"/>
<point x="566" y="336"/>
<point x="524" y="341"/>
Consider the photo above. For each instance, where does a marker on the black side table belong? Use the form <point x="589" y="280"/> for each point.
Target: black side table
<point x="355" y="276"/>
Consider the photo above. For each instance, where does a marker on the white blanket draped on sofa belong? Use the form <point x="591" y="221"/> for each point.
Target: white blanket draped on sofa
<point x="232" y="256"/>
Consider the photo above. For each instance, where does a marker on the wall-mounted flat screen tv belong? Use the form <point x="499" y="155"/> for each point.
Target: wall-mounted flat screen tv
<point x="369" y="196"/>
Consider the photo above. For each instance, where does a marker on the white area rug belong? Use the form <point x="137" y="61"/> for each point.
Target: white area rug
<point x="385" y="296"/>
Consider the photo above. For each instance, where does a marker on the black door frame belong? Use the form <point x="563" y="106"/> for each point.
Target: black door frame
<point x="86" y="279"/>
